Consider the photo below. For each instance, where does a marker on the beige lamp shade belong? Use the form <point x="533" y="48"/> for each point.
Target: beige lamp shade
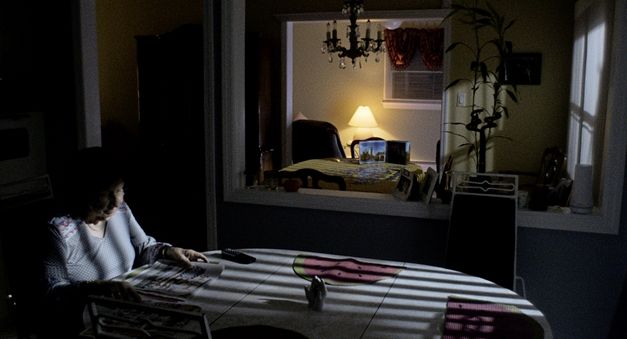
<point x="363" y="118"/>
<point x="299" y="116"/>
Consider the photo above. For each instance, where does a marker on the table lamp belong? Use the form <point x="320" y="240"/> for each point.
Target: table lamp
<point x="364" y="120"/>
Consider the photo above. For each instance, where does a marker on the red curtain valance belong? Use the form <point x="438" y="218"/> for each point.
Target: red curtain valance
<point x="402" y="44"/>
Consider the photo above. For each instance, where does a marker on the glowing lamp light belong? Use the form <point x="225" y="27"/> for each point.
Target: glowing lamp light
<point x="364" y="120"/>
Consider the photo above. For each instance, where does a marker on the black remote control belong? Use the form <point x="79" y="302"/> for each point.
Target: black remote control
<point x="237" y="256"/>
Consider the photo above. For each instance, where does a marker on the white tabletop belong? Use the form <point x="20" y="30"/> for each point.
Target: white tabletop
<point x="410" y="304"/>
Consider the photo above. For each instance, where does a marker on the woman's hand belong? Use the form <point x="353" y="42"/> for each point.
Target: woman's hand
<point x="183" y="256"/>
<point x="114" y="289"/>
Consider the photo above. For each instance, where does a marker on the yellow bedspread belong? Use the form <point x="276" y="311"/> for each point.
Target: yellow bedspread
<point x="372" y="177"/>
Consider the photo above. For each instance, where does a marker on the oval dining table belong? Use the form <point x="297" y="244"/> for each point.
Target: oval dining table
<point x="406" y="300"/>
<point x="352" y="297"/>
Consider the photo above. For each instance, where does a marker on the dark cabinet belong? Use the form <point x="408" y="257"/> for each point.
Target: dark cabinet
<point x="166" y="189"/>
<point x="263" y="125"/>
<point x="22" y="245"/>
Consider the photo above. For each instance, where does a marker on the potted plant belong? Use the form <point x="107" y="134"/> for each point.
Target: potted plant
<point x="489" y="51"/>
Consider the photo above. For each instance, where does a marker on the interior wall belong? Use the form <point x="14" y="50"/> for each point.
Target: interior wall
<point x="118" y="23"/>
<point x="369" y="236"/>
<point x="169" y="144"/>
<point x="542" y="111"/>
<point x="323" y="91"/>
<point x="539" y="119"/>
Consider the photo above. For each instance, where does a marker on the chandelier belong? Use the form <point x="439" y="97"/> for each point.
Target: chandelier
<point x="357" y="47"/>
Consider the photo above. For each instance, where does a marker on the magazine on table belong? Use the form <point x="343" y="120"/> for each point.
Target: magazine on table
<point x="167" y="280"/>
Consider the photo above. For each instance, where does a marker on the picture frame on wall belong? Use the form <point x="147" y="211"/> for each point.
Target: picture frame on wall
<point x="523" y="69"/>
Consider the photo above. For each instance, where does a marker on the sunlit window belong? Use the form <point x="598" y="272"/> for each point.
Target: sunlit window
<point x="589" y="85"/>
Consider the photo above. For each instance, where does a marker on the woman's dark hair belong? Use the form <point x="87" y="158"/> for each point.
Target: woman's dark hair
<point x="93" y="171"/>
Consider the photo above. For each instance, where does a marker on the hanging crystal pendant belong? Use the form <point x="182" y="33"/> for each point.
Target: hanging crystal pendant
<point x="357" y="47"/>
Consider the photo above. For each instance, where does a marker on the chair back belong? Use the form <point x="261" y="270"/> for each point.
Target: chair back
<point x="310" y="178"/>
<point x="314" y="139"/>
<point x="482" y="226"/>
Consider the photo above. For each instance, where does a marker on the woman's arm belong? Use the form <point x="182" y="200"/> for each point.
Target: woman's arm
<point x="182" y="256"/>
<point x="149" y="250"/>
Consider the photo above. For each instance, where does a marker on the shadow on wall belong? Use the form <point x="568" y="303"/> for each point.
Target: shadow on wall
<point x="363" y="235"/>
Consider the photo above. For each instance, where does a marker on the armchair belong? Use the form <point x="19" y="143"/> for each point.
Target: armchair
<point x="314" y="139"/>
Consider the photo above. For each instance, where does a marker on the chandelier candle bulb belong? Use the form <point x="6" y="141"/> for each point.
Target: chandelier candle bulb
<point x="334" y="29"/>
<point x="328" y="31"/>
<point x="368" y="30"/>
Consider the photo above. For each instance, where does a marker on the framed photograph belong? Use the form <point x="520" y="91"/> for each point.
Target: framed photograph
<point x="372" y="151"/>
<point x="397" y="152"/>
<point x="523" y="69"/>
<point x="443" y="183"/>
<point x="113" y="318"/>
<point x="427" y="186"/>
<point x="407" y="186"/>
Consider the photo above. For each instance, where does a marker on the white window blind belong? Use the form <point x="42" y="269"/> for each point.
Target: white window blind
<point x="414" y="84"/>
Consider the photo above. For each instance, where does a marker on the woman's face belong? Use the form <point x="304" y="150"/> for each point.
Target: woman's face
<point x="108" y="202"/>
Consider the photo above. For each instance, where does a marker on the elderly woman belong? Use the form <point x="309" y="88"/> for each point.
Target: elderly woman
<point x="96" y="239"/>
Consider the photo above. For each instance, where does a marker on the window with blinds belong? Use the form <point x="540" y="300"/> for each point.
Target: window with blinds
<point x="414" y="87"/>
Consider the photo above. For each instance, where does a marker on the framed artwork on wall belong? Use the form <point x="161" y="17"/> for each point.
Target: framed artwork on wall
<point x="523" y="69"/>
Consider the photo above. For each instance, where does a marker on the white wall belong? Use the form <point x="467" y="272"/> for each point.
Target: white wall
<point x="322" y="91"/>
